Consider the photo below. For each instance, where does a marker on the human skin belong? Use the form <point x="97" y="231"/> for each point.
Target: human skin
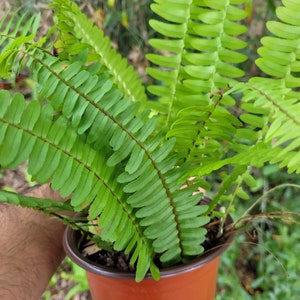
<point x="30" y="249"/>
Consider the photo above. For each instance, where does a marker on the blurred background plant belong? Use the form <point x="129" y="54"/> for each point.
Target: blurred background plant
<point x="263" y="261"/>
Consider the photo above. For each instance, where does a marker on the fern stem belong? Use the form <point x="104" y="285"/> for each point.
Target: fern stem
<point x="203" y="125"/>
<point x="281" y="186"/>
<point x="113" y="119"/>
<point x="181" y="54"/>
<point x="277" y="105"/>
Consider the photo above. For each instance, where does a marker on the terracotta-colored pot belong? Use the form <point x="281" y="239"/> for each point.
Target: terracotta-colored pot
<point x="192" y="281"/>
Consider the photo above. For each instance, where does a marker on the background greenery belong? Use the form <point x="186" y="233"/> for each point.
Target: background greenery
<point x="263" y="262"/>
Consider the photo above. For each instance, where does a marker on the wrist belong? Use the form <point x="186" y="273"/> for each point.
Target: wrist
<point x="30" y="251"/>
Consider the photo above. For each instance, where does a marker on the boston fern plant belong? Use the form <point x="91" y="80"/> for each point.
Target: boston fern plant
<point x="123" y="155"/>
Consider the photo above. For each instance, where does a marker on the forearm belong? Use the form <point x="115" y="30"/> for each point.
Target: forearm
<point x="30" y="251"/>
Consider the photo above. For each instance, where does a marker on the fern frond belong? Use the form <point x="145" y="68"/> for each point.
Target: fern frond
<point x="98" y="112"/>
<point x="48" y="206"/>
<point x="279" y="53"/>
<point x="14" y="25"/>
<point x="199" y="51"/>
<point x="275" y="101"/>
<point x="13" y="36"/>
<point x="202" y="60"/>
<point x="130" y="137"/>
<point x="85" y="33"/>
<point x="79" y="170"/>
<point x="272" y="96"/>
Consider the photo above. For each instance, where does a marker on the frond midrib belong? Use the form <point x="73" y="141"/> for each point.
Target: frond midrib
<point x="141" y="145"/>
<point x="89" y="168"/>
<point x="112" y="118"/>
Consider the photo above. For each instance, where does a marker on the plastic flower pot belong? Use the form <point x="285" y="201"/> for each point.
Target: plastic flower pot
<point x="195" y="280"/>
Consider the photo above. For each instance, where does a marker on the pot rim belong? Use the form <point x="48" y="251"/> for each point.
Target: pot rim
<point x="71" y="249"/>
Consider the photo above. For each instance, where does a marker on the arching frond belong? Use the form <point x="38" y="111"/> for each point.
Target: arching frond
<point x="85" y="33"/>
<point x="14" y="33"/>
<point x="195" y="63"/>
<point x="98" y="112"/>
<point x="56" y="152"/>
<point x="280" y="122"/>
<point x="201" y="51"/>
<point x="279" y="53"/>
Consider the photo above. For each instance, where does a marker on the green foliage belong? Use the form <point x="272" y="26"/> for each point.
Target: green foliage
<point x="272" y="252"/>
<point x="197" y="83"/>
<point x="94" y="134"/>
<point x="47" y="205"/>
<point x="11" y="40"/>
<point x="85" y="137"/>
<point x="72" y="274"/>
<point x="85" y="33"/>
<point x="201" y="51"/>
<point x="274" y="260"/>
<point x="78" y="275"/>
<point x="279" y="284"/>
